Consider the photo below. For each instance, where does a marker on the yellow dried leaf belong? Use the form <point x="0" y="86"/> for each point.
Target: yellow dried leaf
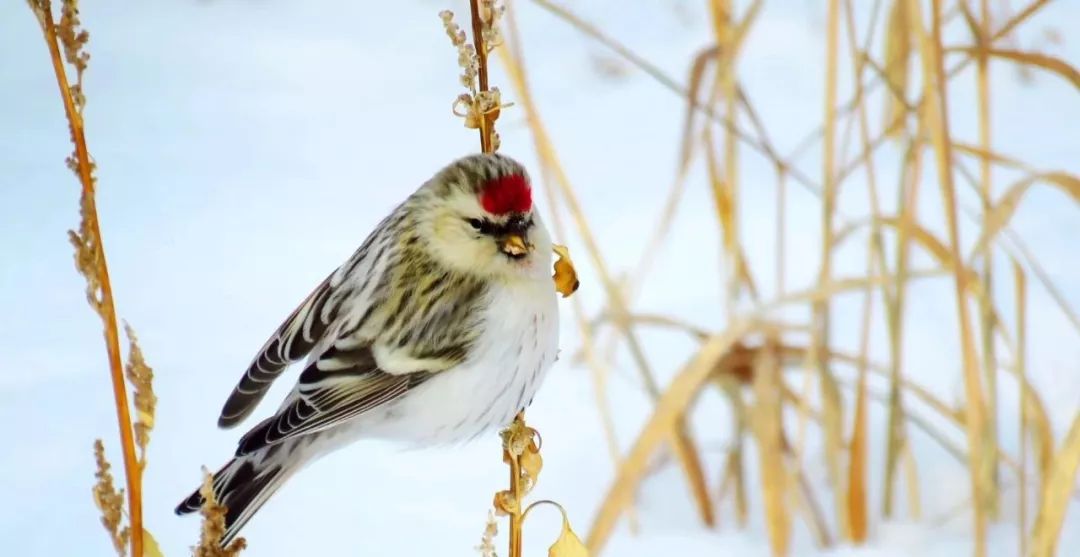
<point x="531" y="463"/>
<point x="506" y="504"/>
<point x="566" y="281"/>
<point x="150" y="545"/>
<point x="568" y="544"/>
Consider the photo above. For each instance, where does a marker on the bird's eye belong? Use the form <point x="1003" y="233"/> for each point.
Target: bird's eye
<point x="477" y="224"/>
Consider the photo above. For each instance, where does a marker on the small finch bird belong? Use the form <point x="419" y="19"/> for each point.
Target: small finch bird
<point x="440" y="327"/>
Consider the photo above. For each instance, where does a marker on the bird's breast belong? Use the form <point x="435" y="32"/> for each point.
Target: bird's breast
<point x="516" y="346"/>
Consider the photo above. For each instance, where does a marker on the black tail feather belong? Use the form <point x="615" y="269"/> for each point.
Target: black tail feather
<point x="243" y="487"/>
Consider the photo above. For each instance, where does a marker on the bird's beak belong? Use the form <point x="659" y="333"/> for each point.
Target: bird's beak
<point x="514" y="245"/>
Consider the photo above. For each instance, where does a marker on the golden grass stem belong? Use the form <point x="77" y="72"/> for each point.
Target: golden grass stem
<point x="726" y="86"/>
<point x="832" y="404"/>
<point x="1056" y="494"/>
<point x="1020" y="286"/>
<point x="767" y="419"/>
<point x="106" y="306"/>
<point x="857" y="463"/>
<point x="936" y="115"/>
<point x="876" y="254"/>
<point x="986" y="310"/>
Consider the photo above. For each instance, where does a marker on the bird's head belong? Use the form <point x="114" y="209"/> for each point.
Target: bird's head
<point x="478" y="218"/>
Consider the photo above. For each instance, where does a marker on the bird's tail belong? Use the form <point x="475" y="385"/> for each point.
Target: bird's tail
<point x="245" y="483"/>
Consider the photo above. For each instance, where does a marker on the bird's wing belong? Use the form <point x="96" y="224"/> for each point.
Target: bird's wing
<point x="341" y="384"/>
<point x="318" y="317"/>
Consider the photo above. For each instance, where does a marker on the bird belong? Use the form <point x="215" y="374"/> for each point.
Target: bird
<point x="440" y="327"/>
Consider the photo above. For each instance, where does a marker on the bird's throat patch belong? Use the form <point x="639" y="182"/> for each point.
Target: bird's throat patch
<point x="509" y="194"/>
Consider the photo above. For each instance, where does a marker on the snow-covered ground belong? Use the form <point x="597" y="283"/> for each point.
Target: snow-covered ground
<point x="246" y="147"/>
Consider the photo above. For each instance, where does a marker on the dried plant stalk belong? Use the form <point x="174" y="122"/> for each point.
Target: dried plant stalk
<point x="897" y="64"/>
<point x="832" y="403"/>
<point x="1056" y="494"/>
<point x="768" y="430"/>
<point x="89" y="249"/>
<point x="141" y="377"/>
<point x="986" y="309"/>
<point x="1020" y="285"/>
<point x="109" y="501"/>
<point x="936" y="114"/>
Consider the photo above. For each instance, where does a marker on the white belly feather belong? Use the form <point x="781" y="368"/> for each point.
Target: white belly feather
<point x="506" y="366"/>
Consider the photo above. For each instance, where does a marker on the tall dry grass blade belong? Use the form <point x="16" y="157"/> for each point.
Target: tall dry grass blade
<point x="767" y="419"/>
<point x="832" y="404"/>
<point x="986" y="309"/>
<point x="911" y="479"/>
<point x="857" y="464"/>
<point x="897" y="66"/>
<point x="697" y="75"/>
<point x="791" y="355"/>
<point x="666" y="416"/>
<point x="724" y="205"/>
<point x="89" y="248"/>
<point x="1056" y="494"/>
<point x="857" y="461"/>
<point x="1037" y="59"/>
<point x="1020" y="293"/>
<point x="735" y="463"/>
<point x="725" y="87"/>
<point x="1044" y="279"/>
<point x="682" y="443"/>
<point x="815" y="515"/>
<point x="935" y="112"/>
<point x="896" y="435"/>
<point x="781" y="231"/>
<point x="1034" y="418"/>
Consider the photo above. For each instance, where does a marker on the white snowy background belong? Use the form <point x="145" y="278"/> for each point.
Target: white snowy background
<point x="246" y="147"/>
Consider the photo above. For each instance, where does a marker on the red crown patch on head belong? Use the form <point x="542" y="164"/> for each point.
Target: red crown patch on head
<point x="509" y="194"/>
